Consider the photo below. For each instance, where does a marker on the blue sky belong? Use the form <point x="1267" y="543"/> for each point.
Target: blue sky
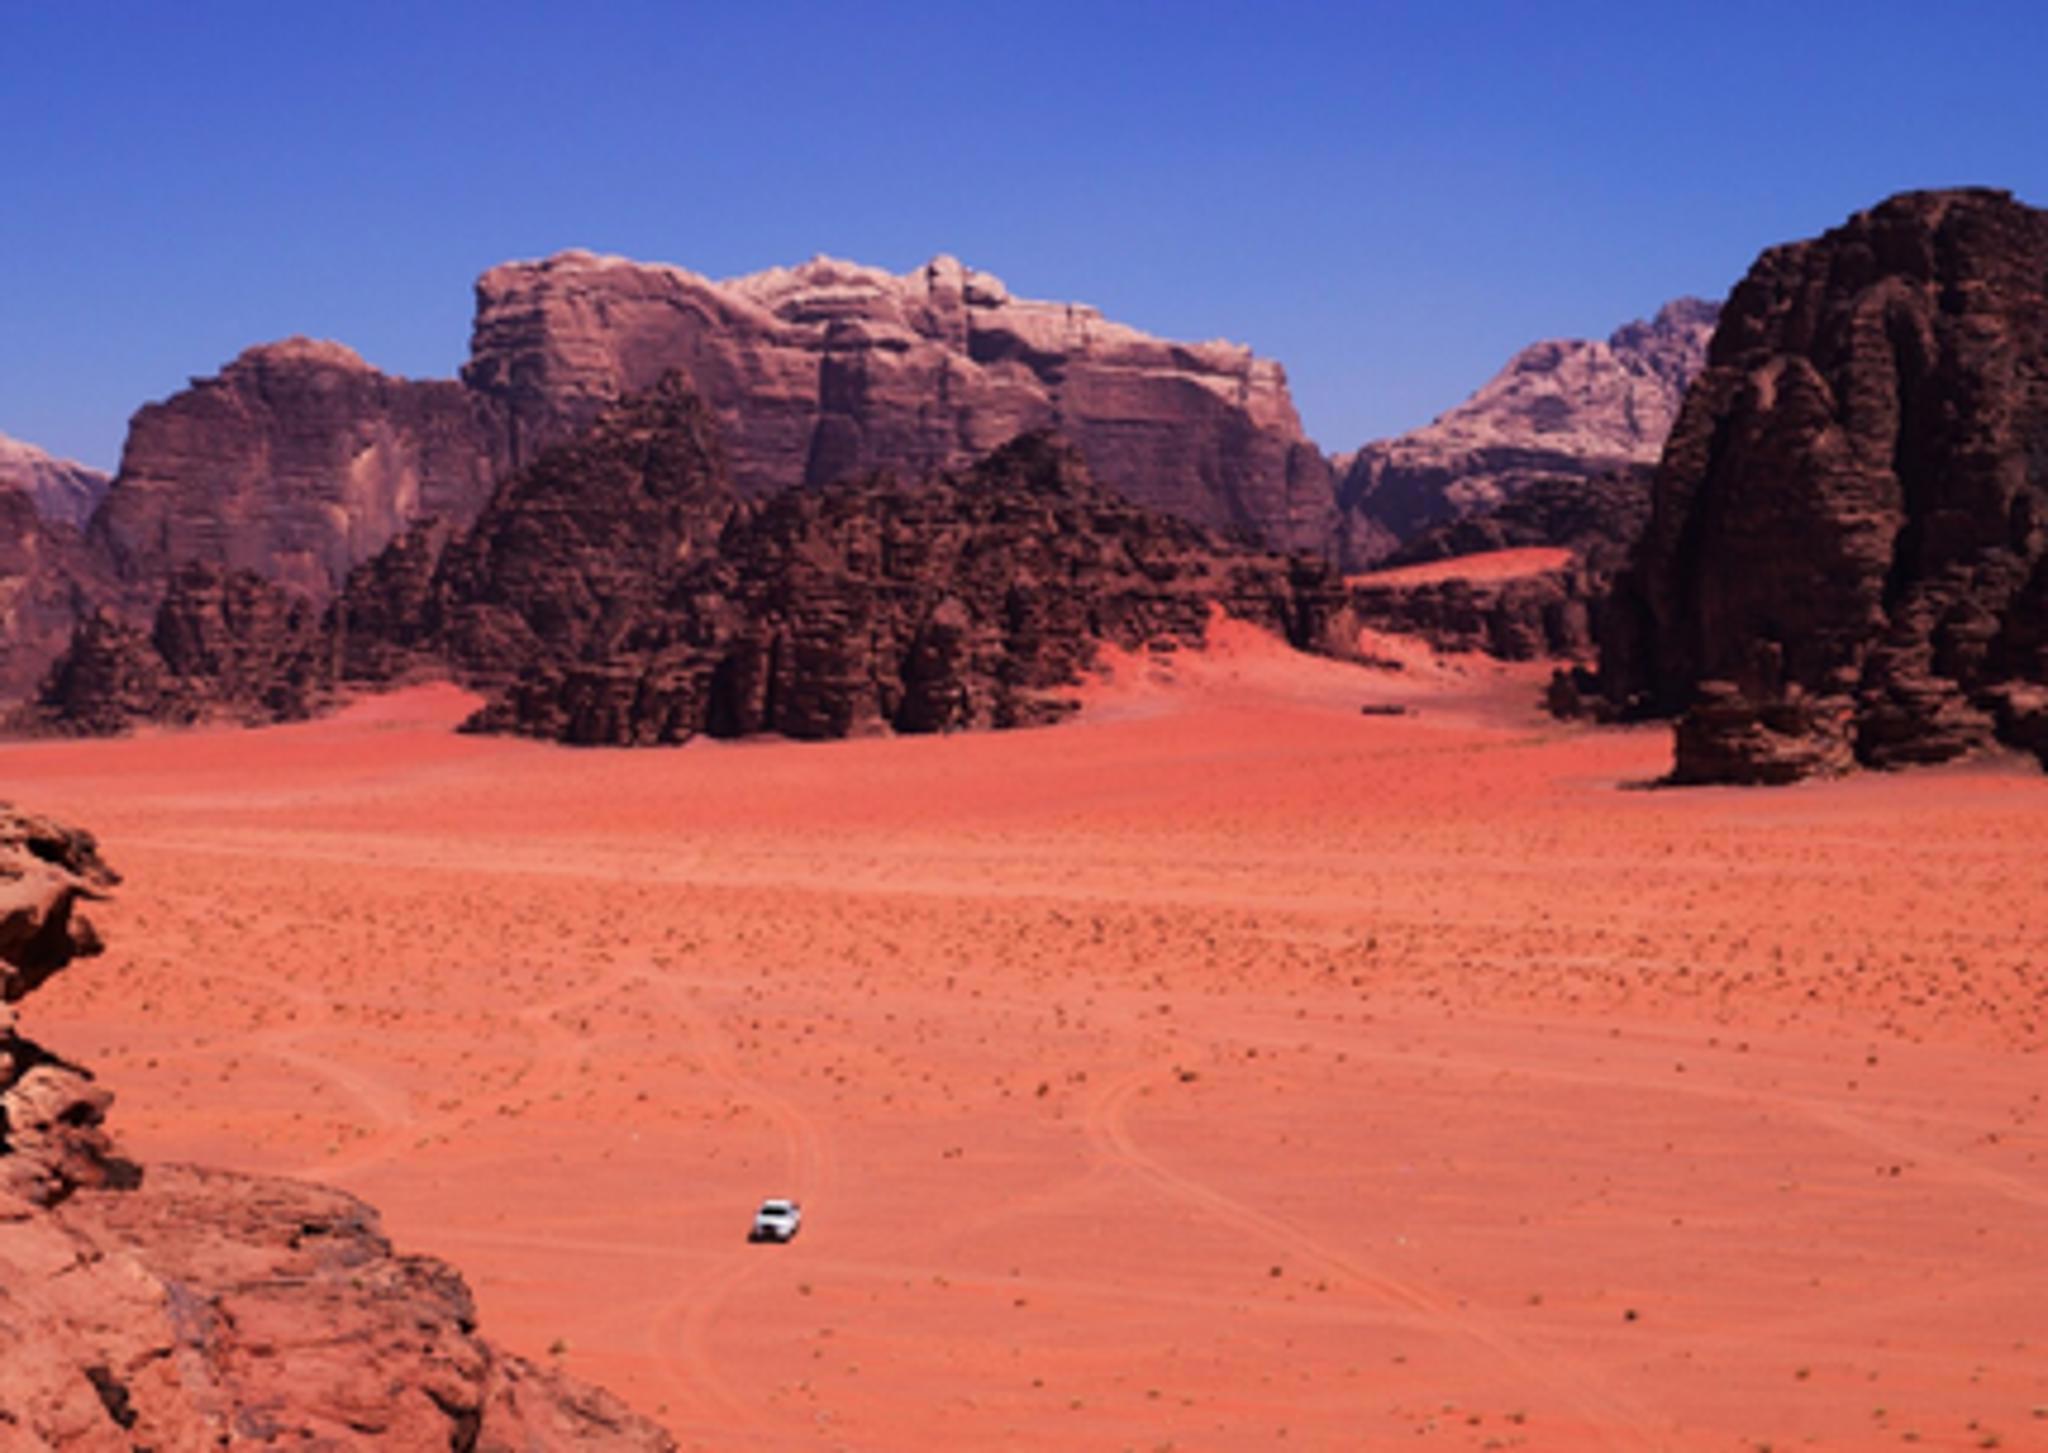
<point x="1390" y="199"/>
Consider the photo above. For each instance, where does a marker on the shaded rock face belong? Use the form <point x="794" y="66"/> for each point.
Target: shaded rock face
<point x="1560" y="409"/>
<point x="970" y="600"/>
<point x="297" y="462"/>
<point x="1555" y="612"/>
<point x="50" y="580"/>
<point x="619" y="589"/>
<point x="831" y="369"/>
<point x="61" y="490"/>
<point x="574" y="551"/>
<point x="1845" y="555"/>
<point x="224" y="645"/>
<point x="183" y="1308"/>
<point x="1541" y="615"/>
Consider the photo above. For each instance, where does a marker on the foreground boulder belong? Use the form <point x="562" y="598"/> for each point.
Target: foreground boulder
<point x="175" y="1307"/>
<point x="1847" y="556"/>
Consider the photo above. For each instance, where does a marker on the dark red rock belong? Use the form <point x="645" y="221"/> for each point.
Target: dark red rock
<point x="1847" y="526"/>
<point x="50" y="580"/>
<point x="1546" y="613"/>
<point x="227" y="645"/>
<point x="967" y="600"/>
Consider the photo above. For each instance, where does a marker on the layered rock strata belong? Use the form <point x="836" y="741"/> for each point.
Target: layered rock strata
<point x="831" y="369"/>
<point x="171" y="1307"/>
<point x="1845" y="555"/>
<point x="296" y="462"/>
<point x="1559" y="409"/>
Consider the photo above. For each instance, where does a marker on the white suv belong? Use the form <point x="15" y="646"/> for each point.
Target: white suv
<point x="777" y="1220"/>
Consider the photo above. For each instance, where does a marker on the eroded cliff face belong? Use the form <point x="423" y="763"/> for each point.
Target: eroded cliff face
<point x="223" y="645"/>
<point x="1561" y="409"/>
<point x="1844" y="561"/>
<point x="969" y="599"/>
<point x="297" y="461"/>
<point x="824" y="371"/>
<point x="172" y="1307"/>
<point x="50" y="579"/>
<point x="619" y="590"/>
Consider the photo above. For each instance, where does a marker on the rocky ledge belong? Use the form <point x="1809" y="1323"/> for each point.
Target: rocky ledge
<point x="172" y="1307"/>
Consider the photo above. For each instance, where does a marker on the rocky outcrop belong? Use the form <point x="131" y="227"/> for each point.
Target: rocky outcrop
<point x="970" y="599"/>
<point x="300" y="462"/>
<point x="575" y="552"/>
<point x="297" y="462"/>
<point x="1845" y="554"/>
<point x="1539" y="608"/>
<point x="1560" y="409"/>
<point x="225" y="645"/>
<point x="62" y="490"/>
<point x="620" y="590"/>
<point x="829" y="370"/>
<point x="172" y="1307"/>
<point x="1526" y="580"/>
<point x="50" y="580"/>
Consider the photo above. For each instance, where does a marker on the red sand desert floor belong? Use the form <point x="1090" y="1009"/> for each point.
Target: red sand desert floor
<point x="1223" y="1069"/>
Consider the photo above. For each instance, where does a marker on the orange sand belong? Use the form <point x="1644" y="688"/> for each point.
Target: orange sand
<point x="1223" y="1069"/>
<point x="1489" y="565"/>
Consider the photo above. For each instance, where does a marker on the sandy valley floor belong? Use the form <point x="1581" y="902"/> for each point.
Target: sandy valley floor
<point x="1223" y="1069"/>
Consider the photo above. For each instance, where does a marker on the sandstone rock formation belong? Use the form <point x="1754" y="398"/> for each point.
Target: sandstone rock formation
<point x="970" y="599"/>
<point x="619" y="589"/>
<point x="175" y="1308"/>
<point x="1578" y="535"/>
<point x="828" y="370"/>
<point x="1560" y="409"/>
<point x="60" y="489"/>
<point x="297" y="461"/>
<point x="1847" y="554"/>
<point x="50" y="579"/>
<point x="224" y="645"/>
<point x="300" y="462"/>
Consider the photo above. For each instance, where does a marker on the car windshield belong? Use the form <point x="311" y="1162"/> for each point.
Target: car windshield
<point x="776" y="1208"/>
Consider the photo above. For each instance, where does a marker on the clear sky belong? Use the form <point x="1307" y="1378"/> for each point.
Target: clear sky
<point x="1388" y="198"/>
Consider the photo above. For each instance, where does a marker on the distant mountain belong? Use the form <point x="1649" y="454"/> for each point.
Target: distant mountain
<point x="59" y="488"/>
<point x="1561" y="408"/>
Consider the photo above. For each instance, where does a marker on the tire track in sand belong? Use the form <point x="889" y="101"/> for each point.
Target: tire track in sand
<point x="680" y="1328"/>
<point x="1617" y="1423"/>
